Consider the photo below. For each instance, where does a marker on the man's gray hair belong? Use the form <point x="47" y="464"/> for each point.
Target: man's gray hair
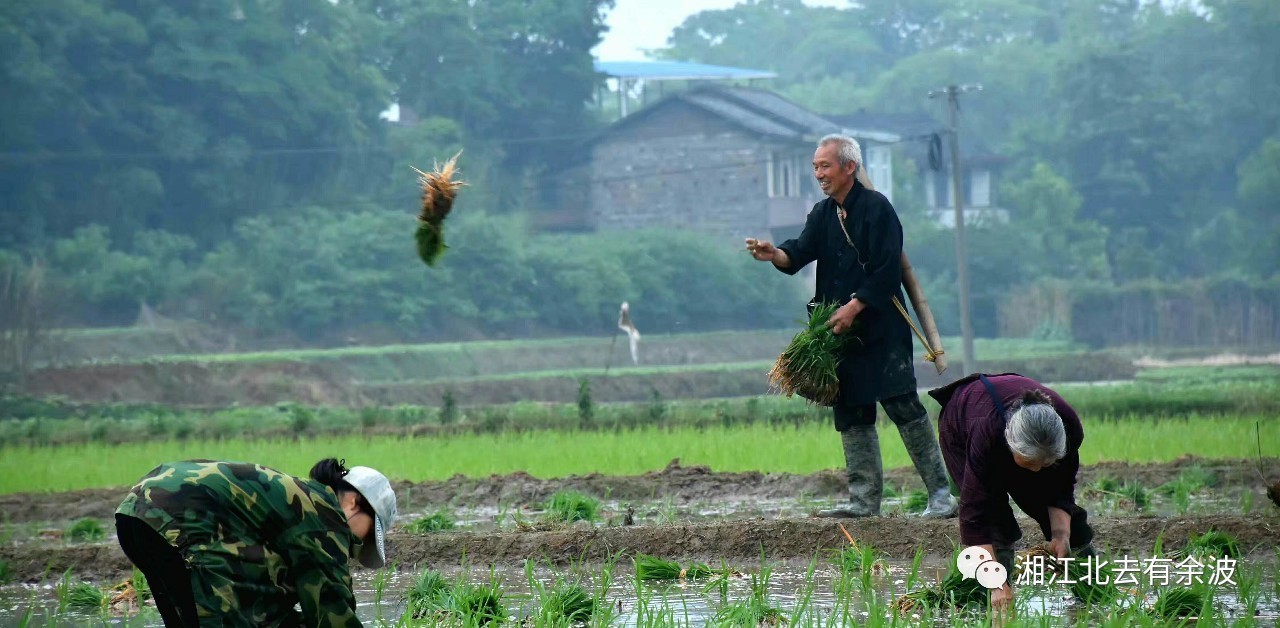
<point x="1035" y="432"/>
<point x="849" y="150"/>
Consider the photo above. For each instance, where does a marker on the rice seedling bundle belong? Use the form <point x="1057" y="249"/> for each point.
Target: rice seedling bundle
<point x="86" y="530"/>
<point x="432" y="523"/>
<point x="568" y="602"/>
<point x="807" y="367"/>
<point x="698" y="571"/>
<point x="651" y="568"/>
<point x="1212" y="543"/>
<point x="478" y="604"/>
<point x="955" y="590"/>
<point x="572" y="506"/>
<point x="1175" y="603"/>
<point x="86" y="597"/>
<point x="427" y="595"/>
<point x="439" y="189"/>
<point x="917" y="500"/>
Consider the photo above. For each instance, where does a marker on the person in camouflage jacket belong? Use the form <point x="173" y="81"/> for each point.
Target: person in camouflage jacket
<point x="239" y="544"/>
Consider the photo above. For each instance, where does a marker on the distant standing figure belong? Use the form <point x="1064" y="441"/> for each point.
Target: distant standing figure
<point x="856" y="239"/>
<point x="1008" y="436"/>
<point x="633" y="334"/>
<point x="239" y="544"/>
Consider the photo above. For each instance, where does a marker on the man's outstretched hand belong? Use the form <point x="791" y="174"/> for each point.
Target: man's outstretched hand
<point x="762" y="250"/>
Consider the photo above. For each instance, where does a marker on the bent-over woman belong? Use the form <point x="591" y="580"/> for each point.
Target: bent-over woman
<point x="1009" y="437"/>
<point x="239" y="544"/>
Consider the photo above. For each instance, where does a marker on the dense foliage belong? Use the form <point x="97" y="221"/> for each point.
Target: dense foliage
<point x="227" y="160"/>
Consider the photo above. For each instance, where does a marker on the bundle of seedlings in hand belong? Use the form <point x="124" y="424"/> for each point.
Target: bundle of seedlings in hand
<point x="439" y="188"/>
<point x="807" y="367"/>
<point x="954" y="590"/>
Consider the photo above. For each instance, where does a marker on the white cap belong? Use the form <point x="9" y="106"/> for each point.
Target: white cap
<point x="376" y="490"/>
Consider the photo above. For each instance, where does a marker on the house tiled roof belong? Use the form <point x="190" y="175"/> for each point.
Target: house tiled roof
<point x="756" y="110"/>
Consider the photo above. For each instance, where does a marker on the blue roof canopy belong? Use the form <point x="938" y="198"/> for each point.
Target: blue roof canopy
<point x="676" y="71"/>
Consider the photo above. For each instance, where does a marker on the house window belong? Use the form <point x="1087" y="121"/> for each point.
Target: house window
<point x="880" y="168"/>
<point x="980" y="188"/>
<point x="784" y="175"/>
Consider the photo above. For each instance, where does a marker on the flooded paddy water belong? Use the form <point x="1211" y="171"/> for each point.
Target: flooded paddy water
<point x="758" y="525"/>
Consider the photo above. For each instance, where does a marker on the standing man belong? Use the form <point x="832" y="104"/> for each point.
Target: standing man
<point x="856" y="238"/>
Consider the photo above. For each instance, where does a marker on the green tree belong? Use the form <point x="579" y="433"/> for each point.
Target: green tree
<point x="183" y="116"/>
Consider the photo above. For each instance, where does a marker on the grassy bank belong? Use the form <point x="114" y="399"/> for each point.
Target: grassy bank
<point x="802" y="448"/>
<point x="1205" y="391"/>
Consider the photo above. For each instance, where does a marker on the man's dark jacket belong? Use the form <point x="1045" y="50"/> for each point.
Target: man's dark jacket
<point x="880" y="366"/>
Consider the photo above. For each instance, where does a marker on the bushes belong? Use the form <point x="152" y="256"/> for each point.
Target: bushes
<point x="322" y="275"/>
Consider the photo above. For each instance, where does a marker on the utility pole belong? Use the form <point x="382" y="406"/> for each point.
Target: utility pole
<point x="952" y="94"/>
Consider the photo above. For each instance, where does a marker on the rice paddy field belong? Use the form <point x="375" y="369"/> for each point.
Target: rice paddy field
<point x="668" y="510"/>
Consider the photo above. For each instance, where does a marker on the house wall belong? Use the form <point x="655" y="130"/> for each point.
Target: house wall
<point x="680" y="167"/>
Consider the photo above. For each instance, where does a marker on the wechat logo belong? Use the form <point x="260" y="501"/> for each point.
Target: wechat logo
<point x="975" y="562"/>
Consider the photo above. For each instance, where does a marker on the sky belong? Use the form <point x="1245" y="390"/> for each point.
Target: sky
<point x="637" y="25"/>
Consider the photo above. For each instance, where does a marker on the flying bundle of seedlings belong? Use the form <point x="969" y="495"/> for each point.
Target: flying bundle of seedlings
<point x="1212" y="543"/>
<point x="1180" y="602"/>
<point x="807" y="367"/>
<point x="439" y="189"/>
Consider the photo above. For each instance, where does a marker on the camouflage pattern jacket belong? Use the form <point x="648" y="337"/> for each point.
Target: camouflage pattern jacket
<point x="257" y="542"/>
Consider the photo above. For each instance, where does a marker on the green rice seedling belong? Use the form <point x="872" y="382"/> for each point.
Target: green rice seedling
<point x="566" y="602"/>
<point x="1212" y="543"/>
<point x="5" y="575"/>
<point x="1136" y="494"/>
<point x="1190" y="480"/>
<point x="913" y="576"/>
<point x="1105" y="484"/>
<point x="572" y="506"/>
<point x="1180" y="602"/>
<point x="1249" y="589"/>
<point x="477" y="605"/>
<point x="432" y="523"/>
<point x="697" y="571"/>
<point x="86" y="530"/>
<point x="654" y="569"/>
<point x="428" y="595"/>
<point x="755" y="610"/>
<point x="857" y="558"/>
<point x="807" y="367"/>
<point x="1246" y="501"/>
<point x="1100" y="589"/>
<point x="86" y="597"/>
<point x="961" y="592"/>
<point x="139" y="583"/>
<point x="916" y="501"/>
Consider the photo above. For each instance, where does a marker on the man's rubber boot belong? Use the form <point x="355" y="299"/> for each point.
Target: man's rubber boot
<point x="863" y="466"/>
<point x="922" y="445"/>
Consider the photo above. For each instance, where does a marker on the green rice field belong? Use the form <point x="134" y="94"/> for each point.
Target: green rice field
<point x="805" y="448"/>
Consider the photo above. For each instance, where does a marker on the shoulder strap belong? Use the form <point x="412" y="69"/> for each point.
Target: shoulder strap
<point x="991" y="392"/>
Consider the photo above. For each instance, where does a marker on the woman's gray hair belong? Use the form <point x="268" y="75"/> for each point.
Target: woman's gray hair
<point x="849" y="150"/>
<point x="1035" y="432"/>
